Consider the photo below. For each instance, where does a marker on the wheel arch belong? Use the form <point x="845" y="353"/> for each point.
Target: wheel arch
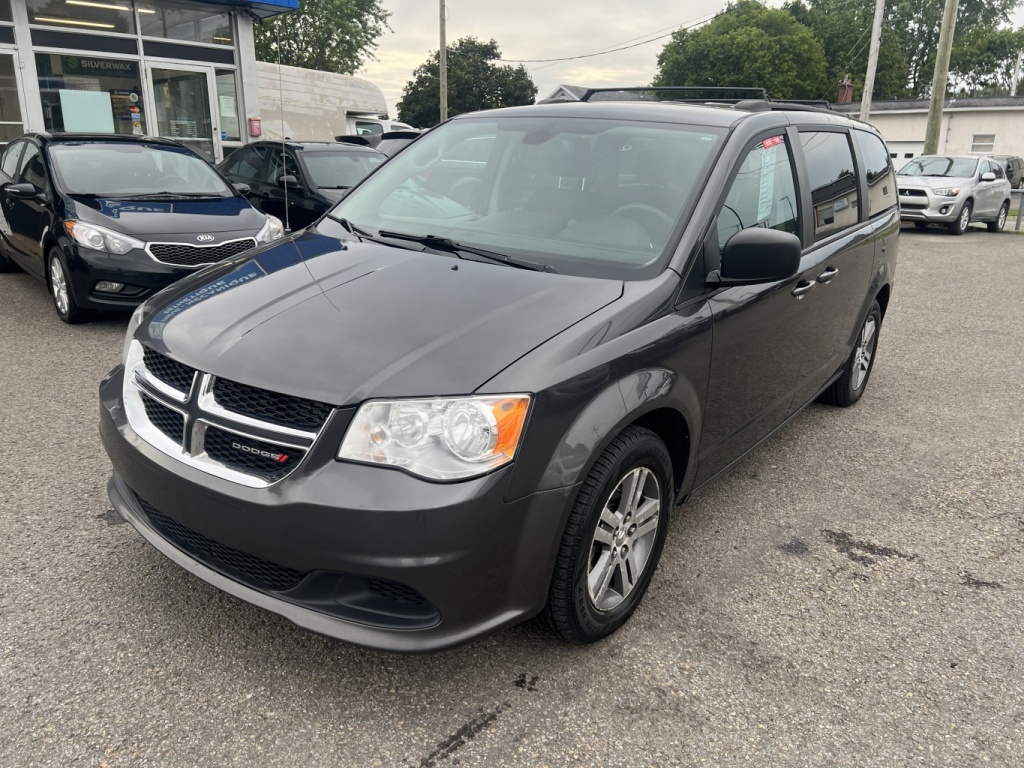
<point x="883" y="298"/>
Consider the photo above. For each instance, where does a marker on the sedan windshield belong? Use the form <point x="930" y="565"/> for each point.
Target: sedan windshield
<point x="597" y="197"/>
<point x="954" y="167"/>
<point x="338" y="169"/>
<point x="122" y="169"/>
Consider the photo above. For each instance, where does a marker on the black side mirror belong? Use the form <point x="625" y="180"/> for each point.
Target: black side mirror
<point x="242" y="188"/>
<point x="23" y="191"/>
<point x="287" y="180"/>
<point x="757" y="255"/>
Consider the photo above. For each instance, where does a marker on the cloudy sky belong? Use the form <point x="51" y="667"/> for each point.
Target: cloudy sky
<point x="541" y="29"/>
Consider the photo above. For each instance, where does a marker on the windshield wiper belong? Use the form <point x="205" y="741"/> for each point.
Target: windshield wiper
<point x="164" y="195"/>
<point x="457" y="249"/>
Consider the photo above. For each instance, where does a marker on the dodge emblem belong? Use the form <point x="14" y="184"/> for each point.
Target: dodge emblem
<point x="204" y="238"/>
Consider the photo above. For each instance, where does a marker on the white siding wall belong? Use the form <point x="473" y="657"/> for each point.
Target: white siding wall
<point x="907" y="129"/>
<point x="315" y="104"/>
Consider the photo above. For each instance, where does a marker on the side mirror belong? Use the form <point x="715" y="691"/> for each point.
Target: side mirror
<point x="757" y="255"/>
<point x="288" y="180"/>
<point x="988" y="176"/>
<point x="242" y="188"/>
<point x="23" y="191"/>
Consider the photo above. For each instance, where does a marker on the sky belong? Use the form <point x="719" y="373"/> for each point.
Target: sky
<point x="541" y="29"/>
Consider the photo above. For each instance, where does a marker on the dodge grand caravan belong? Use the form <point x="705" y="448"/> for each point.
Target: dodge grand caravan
<point x="472" y="393"/>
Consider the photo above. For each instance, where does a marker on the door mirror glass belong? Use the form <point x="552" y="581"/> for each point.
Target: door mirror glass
<point x="759" y="255"/>
<point x="988" y="176"/>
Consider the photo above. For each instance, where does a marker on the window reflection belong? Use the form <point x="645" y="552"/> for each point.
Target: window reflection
<point x="96" y="15"/>
<point x="833" y="181"/>
<point x="89" y="93"/>
<point x="191" y="23"/>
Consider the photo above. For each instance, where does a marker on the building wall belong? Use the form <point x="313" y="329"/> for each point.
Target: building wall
<point x="905" y="131"/>
<point x="304" y="104"/>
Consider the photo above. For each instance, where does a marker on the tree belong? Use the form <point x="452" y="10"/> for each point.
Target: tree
<point x="748" y="44"/>
<point x="474" y="82"/>
<point x="983" y="63"/>
<point x="843" y="27"/>
<point x="328" y="35"/>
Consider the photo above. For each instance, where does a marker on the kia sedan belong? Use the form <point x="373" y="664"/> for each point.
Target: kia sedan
<point x="105" y="221"/>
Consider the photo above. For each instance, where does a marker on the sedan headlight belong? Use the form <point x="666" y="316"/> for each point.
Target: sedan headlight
<point x="448" y="438"/>
<point x="271" y="231"/>
<point x="947" y="191"/>
<point x="100" y="238"/>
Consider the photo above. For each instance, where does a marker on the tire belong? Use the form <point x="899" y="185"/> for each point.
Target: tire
<point x="848" y="388"/>
<point x="963" y="219"/>
<point x="1000" y="222"/>
<point x="921" y="224"/>
<point x="601" y="538"/>
<point x="60" y="291"/>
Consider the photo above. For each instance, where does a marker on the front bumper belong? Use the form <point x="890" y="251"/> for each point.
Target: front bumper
<point x="364" y="554"/>
<point x="923" y="205"/>
<point x="137" y="270"/>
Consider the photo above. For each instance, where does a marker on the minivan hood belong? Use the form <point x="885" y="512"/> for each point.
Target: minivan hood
<point x="143" y="218"/>
<point x="342" y="323"/>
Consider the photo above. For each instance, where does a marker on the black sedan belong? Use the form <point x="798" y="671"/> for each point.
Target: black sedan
<point x="106" y="220"/>
<point x="299" y="181"/>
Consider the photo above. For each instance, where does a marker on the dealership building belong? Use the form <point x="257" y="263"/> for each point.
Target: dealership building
<point x="183" y="70"/>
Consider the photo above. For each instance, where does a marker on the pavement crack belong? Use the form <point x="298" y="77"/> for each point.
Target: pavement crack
<point x="463" y="736"/>
<point x="968" y="580"/>
<point x="863" y="552"/>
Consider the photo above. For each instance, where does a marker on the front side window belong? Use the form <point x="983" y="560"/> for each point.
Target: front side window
<point x="833" y="178"/>
<point x="90" y="94"/>
<point x="337" y="169"/>
<point x="129" y="169"/>
<point x="583" y="196"/>
<point x="763" y="194"/>
<point x="11" y="156"/>
<point x="33" y="171"/>
<point x="280" y="164"/>
<point x="246" y="163"/>
<point x="878" y="169"/>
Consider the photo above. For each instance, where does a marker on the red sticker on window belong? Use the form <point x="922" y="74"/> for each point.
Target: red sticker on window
<point x="774" y="141"/>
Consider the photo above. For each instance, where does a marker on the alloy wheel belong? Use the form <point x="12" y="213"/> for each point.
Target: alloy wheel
<point x="59" y="285"/>
<point x="623" y="539"/>
<point x="965" y="218"/>
<point x="865" y="350"/>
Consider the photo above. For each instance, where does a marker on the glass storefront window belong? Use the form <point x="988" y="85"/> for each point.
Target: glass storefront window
<point x="93" y="15"/>
<point x="227" y="105"/>
<point x="192" y="23"/>
<point x="10" y="106"/>
<point x="88" y="93"/>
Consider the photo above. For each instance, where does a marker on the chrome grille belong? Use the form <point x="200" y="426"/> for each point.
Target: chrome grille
<point x="164" y="418"/>
<point x="185" y="255"/>
<point x="255" y="437"/>
<point x="284" y="410"/>
<point x="170" y="372"/>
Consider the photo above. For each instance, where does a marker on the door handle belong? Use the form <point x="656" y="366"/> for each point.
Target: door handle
<point x="827" y="275"/>
<point x="802" y="287"/>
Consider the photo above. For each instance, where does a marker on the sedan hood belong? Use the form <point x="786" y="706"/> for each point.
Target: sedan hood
<point x="145" y="218"/>
<point x="342" y="323"/>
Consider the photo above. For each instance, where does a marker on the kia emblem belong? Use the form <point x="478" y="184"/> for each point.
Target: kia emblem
<point x="204" y="238"/>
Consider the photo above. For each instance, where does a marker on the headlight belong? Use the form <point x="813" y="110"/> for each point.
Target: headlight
<point x="101" y="239"/>
<point x="129" y="335"/>
<point x="442" y="438"/>
<point x="271" y="231"/>
<point x="947" y="192"/>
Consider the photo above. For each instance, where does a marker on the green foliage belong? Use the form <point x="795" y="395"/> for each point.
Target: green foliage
<point x="983" y="63"/>
<point x="747" y="45"/>
<point x="474" y="82"/>
<point x="328" y="35"/>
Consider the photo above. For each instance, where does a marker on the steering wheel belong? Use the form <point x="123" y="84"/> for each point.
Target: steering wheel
<point x="657" y="223"/>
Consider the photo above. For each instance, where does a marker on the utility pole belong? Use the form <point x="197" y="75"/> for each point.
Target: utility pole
<point x="931" y="137"/>
<point x="1016" y="74"/>
<point x="869" y="78"/>
<point x="443" y="60"/>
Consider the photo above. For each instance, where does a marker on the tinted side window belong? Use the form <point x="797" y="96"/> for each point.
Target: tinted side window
<point x="276" y="168"/>
<point x="878" y="169"/>
<point x="32" y="169"/>
<point x="997" y="169"/>
<point x="833" y="178"/>
<point x="246" y="162"/>
<point x="9" y="163"/>
<point x="763" y="194"/>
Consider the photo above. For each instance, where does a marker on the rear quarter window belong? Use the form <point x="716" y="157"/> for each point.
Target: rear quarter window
<point x="878" y="170"/>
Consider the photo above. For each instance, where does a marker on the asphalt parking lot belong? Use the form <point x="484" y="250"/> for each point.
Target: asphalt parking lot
<point x="850" y="594"/>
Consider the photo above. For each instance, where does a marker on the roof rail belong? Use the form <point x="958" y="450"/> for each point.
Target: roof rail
<point x="752" y="105"/>
<point x="689" y="93"/>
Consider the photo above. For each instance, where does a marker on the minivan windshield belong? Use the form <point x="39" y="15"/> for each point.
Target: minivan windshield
<point x="584" y="196"/>
<point x="954" y="167"/>
<point x="123" y="169"/>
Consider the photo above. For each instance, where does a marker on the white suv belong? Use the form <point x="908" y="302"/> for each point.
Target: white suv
<point x="954" y="190"/>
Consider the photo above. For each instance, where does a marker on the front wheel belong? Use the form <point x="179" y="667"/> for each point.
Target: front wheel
<point x="847" y="389"/>
<point x="613" y="539"/>
<point x="1000" y="222"/>
<point x="959" y="226"/>
<point x="60" y="291"/>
